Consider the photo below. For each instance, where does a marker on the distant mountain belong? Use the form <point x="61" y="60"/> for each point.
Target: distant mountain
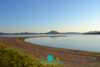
<point x="93" y="32"/>
<point x="2" y="33"/>
<point x="52" y="32"/>
<point x="56" y="32"/>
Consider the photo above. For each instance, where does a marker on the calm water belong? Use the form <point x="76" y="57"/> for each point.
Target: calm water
<point x="33" y="35"/>
<point x="75" y="41"/>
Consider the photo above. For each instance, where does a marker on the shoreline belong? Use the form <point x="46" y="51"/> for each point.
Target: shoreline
<point x="58" y="47"/>
<point x="70" y="58"/>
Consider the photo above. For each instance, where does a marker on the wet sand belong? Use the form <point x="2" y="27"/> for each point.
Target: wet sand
<point x="70" y="58"/>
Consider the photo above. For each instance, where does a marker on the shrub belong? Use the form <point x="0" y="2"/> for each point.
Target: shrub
<point x="13" y="58"/>
<point x="10" y="57"/>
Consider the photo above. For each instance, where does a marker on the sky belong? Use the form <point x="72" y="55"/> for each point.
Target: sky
<point x="46" y="15"/>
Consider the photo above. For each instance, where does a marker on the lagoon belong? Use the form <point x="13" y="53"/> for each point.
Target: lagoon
<point x="76" y="42"/>
<point x="66" y="41"/>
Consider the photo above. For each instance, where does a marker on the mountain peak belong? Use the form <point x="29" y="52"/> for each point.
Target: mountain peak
<point x="53" y="32"/>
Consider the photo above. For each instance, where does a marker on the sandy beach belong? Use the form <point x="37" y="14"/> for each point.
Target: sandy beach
<point x="70" y="58"/>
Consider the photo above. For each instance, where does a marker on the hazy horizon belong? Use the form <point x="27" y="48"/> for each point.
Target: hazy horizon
<point x="45" y="15"/>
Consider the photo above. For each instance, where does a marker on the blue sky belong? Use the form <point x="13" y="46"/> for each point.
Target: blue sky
<point x="46" y="15"/>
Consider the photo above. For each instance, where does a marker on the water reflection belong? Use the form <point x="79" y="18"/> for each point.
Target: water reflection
<point x="78" y="42"/>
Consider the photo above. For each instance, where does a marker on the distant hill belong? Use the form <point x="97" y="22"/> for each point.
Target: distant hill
<point x="1" y="33"/>
<point x="93" y="32"/>
<point x="28" y="33"/>
<point x="52" y="32"/>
